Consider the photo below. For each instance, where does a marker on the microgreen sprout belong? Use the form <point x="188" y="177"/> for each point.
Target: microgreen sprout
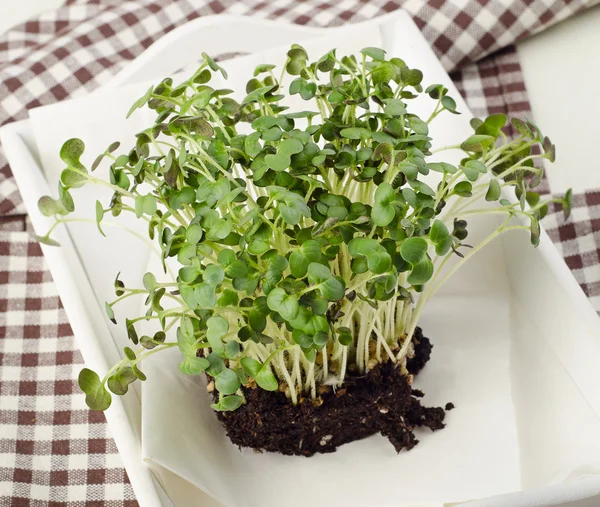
<point x="309" y="240"/>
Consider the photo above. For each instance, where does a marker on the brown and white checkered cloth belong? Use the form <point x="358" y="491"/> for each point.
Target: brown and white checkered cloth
<point x="54" y="452"/>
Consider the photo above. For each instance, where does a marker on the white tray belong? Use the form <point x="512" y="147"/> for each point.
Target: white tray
<point x="567" y="329"/>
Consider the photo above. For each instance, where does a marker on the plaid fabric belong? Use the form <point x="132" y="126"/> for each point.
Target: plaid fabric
<point x="53" y="451"/>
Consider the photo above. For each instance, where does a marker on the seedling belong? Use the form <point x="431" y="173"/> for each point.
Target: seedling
<point x="308" y="241"/>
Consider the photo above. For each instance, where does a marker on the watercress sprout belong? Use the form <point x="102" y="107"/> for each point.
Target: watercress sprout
<point x="308" y="240"/>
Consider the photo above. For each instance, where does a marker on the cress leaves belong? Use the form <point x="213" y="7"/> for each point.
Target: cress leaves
<point x="281" y="221"/>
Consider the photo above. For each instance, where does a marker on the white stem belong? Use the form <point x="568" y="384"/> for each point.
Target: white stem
<point x="344" y="364"/>
<point x="288" y="379"/>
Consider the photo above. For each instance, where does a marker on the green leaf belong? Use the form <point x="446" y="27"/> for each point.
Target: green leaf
<point x="45" y="240"/>
<point x="205" y="295"/>
<point x="72" y="179"/>
<point x="290" y="215"/>
<point x="449" y="103"/>
<point x="438" y="232"/>
<point x="383" y="212"/>
<point x="379" y="261"/>
<point x="290" y="146"/>
<point x="521" y="127"/>
<point x="251" y="144"/>
<point x="65" y="198"/>
<point x="50" y="207"/>
<point x="567" y="203"/>
<point x="227" y="382"/>
<point x="226" y="257"/>
<point x="535" y="231"/>
<point x="332" y="289"/>
<point x="236" y="269"/>
<point x="413" y="250"/>
<point x="463" y="189"/>
<point x="311" y="249"/>
<point x="298" y="264"/>
<point x="193" y="365"/>
<point x="214" y="65"/>
<point x="129" y="353"/>
<point x="228" y="298"/>
<point x="383" y="73"/>
<point x="470" y="173"/>
<point x="494" y="191"/>
<point x="362" y="246"/>
<point x="278" y="162"/>
<point x="411" y="77"/>
<point x="257" y="321"/>
<point x="421" y="272"/>
<point x="99" y="216"/>
<point x="266" y="380"/>
<point x="344" y="335"/>
<point x="232" y="349"/>
<point x="440" y="237"/>
<point x="318" y="273"/>
<point x="273" y="134"/>
<point x="119" y="382"/>
<point x="213" y="274"/>
<point x="71" y="151"/>
<point x="110" y="313"/>
<point x="251" y="366"/>
<point x="375" y="53"/>
<point x="258" y="247"/>
<point x="193" y="235"/>
<point x="351" y="133"/>
<point x="140" y="102"/>
<point x="264" y="123"/>
<point x="316" y="324"/>
<point x="394" y="107"/>
<point x="131" y="333"/>
<point x="219" y="230"/>
<point x="477" y="143"/>
<point x="491" y="125"/>
<point x="308" y="91"/>
<point x="217" y="329"/>
<point x="97" y="396"/>
<point x="228" y="404"/>
<point x="149" y="281"/>
<point x="286" y="305"/>
<point x="257" y="95"/>
<point x="260" y="373"/>
<point x="263" y="67"/>
<point x="217" y="365"/>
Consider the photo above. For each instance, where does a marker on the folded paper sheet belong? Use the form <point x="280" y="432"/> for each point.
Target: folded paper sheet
<point x="518" y="419"/>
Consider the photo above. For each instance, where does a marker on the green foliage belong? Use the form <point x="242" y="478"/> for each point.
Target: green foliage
<point x="335" y="228"/>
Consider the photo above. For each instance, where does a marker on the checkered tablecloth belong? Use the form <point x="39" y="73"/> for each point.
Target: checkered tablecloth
<point x="53" y="450"/>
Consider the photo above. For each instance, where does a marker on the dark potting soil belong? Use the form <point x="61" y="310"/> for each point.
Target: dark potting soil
<point x="381" y="401"/>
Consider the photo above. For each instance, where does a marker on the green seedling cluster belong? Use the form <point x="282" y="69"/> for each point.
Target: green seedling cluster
<point x="307" y="241"/>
